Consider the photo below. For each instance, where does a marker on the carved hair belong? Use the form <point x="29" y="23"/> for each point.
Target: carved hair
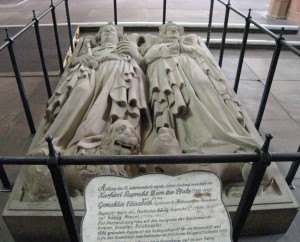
<point x="119" y="29"/>
<point x="163" y="28"/>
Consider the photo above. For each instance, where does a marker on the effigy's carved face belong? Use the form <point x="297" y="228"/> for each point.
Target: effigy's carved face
<point x="172" y="31"/>
<point x="109" y="34"/>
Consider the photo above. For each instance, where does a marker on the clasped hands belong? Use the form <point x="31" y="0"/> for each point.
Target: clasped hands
<point x="127" y="47"/>
<point x="175" y="48"/>
<point x="172" y="49"/>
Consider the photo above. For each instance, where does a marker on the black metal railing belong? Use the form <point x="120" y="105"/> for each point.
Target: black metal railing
<point x="23" y="95"/>
<point x="60" y="60"/>
<point x="209" y="26"/>
<point x="9" y="44"/>
<point x="280" y="42"/>
<point x="4" y="179"/>
<point x="292" y="172"/>
<point x="242" y="52"/>
<point x="261" y="159"/>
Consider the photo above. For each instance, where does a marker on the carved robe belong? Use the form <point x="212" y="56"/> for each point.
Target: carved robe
<point x="188" y="94"/>
<point x="87" y="100"/>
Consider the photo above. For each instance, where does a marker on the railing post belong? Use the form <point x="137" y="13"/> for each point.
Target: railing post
<point x="115" y="12"/>
<point x="62" y="192"/>
<point x="69" y="24"/>
<point x="224" y="33"/>
<point x="251" y="188"/>
<point x="41" y="52"/>
<point x="292" y="172"/>
<point x="269" y="81"/>
<point x="211" y="12"/>
<point x="4" y="180"/>
<point x="242" y="52"/>
<point x="164" y="11"/>
<point x="20" y="83"/>
<point x="61" y="67"/>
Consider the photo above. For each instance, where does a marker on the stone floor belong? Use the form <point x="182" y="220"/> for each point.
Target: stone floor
<point x="282" y="115"/>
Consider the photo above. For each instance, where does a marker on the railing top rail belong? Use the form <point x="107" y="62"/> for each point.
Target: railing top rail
<point x="264" y="29"/>
<point x="4" y="45"/>
<point x="57" y="3"/>
<point x="277" y="156"/>
<point x="233" y="9"/>
<point x="222" y="2"/>
<point x="290" y="47"/>
<point x="49" y="9"/>
<point x="33" y="22"/>
<point x="44" y="13"/>
<point x="22" y="30"/>
<point x="238" y="12"/>
<point x="134" y="159"/>
<point x="149" y="159"/>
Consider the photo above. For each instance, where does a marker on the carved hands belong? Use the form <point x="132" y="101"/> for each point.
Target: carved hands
<point x="177" y="47"/>
<point x="170" y="50"/>
<point x="127" y="47"/>
<point x="86" y="60"/>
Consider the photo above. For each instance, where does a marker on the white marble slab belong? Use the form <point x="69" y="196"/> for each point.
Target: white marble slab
<point x="156" y="207"/>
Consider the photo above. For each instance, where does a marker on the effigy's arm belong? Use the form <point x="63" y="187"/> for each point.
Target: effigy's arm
<point x="82" y="55"/>
<point x="219" y="82"/>
<point x="76" y="69"/>
<point x="130" y="48"/>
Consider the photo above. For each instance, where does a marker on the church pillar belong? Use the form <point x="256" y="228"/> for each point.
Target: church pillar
<point x="293" y="13"/>
<point x="279" y="8"/>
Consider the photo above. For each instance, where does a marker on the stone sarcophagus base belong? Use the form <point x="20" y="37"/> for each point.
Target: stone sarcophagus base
<point x="43" y="221"/>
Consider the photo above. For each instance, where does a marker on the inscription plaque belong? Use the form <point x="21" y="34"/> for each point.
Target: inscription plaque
<point x="156" y="207"/>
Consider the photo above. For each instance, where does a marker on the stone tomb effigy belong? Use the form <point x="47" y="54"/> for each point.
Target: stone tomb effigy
<point x="142" y="94"/>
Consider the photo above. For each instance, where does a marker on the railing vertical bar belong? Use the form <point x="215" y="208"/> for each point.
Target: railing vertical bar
<point x="61" y="66"/>
<point x="62" y="192"/>
<point x="115" y="12"/>
<point x="20" y="84"/>
<point x="4" y="179"/>
<point x="292" y="171"/>
<point x="269" y="81"/>
<point x="69" y="24"/>
<point x="164" y="11"/>
<point x="251" y="188"/>
<point x="211" y="12"/>
<point x="224" y="33"/>
<point x="242" y="53"/>
<point x="41" y="52"/>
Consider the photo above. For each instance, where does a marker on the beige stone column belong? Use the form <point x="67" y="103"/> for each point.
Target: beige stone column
<point x="293" y="13"/>
<point x="278" y="8"/>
